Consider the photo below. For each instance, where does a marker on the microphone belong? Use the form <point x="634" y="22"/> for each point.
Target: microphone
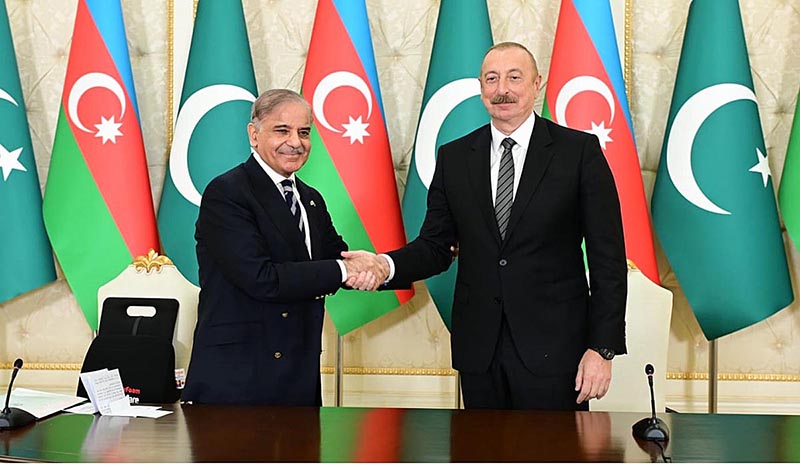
<point x="651" y="428"/>
<point x="12" y="417"/>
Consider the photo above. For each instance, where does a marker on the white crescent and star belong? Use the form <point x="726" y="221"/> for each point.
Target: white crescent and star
<point x="355" y="128"/>
<point x="581" y="84"/>
<point x="9" y="160"/>
<point x="685" y="126"/>
<point x="192" y="111"/>
<point x="107" y="128"/>
<point x="441" y="103"/>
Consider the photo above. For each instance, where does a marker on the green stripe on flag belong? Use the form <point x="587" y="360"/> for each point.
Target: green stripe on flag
<point x="85" y="238"/>
<point x="789" y="194"/>
<point x="348" y="309"/>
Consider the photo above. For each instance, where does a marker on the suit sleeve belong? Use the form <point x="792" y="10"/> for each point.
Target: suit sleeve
<point x="601" y="223"/>
<point x="429" y="254"/>
<point x="228" y="229"/>
<point x="332" y="243"/>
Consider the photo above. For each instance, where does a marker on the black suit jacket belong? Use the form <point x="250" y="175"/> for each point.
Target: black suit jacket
<point x="259" y="319"/>
<point x="536" y="275"/>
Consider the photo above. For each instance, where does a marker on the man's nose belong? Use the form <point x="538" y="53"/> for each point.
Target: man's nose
<point x="294" y="139"/>
<point x="502" y="86"/>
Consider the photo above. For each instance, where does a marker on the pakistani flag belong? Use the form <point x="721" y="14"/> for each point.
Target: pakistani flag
<point x="713" y="202"/>
<point x="451" y="108"/>
<point x="789" y="194"/>
<point x="26" y="261"/>
<point x="211" y="129"/>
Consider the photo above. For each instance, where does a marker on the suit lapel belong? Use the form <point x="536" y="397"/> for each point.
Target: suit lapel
<point x="312" y="214"/>
<point x="274" y="204"/>
<point x="536" y="160"/>
<point x="480" y="178"/>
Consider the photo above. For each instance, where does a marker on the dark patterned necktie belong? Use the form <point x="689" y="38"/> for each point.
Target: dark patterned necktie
<point x="505" y="187"/>
<point x="291" y="202"/>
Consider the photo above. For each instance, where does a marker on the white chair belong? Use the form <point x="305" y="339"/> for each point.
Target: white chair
<point x="647" y="320"/>
<point x="156" y="276"/>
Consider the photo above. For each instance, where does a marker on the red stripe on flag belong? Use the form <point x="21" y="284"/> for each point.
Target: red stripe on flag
<point x="117" y="162"/>
<point x="364" y="161"/>
<point x="379" y="437"/>
<point x="574" y="55"/>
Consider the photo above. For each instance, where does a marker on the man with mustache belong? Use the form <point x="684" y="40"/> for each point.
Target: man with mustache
<point x="268" y="255"/>
<point x="519" y="196"/>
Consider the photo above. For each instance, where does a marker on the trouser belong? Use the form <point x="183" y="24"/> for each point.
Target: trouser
<point x="508" y="384"/>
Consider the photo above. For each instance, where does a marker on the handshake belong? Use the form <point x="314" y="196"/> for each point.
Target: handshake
<point x="365" y="270"/>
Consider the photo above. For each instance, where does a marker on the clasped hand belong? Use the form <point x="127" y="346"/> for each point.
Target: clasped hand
<point x="365" y="270"/>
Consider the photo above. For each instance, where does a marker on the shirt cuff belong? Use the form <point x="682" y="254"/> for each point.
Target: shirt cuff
<point x="391" y="267"/>
<point x="343" y="269"/>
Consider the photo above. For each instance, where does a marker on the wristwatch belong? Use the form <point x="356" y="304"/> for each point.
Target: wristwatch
<point x="605" y="352"/>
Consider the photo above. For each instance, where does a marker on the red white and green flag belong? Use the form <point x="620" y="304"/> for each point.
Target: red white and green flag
<point x="351" y="162"/>
<point x="586" y="91"/>
<point x="98" y="209"/>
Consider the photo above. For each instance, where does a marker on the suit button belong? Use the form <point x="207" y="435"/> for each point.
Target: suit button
<point x="285" y="314"/>
<point x="503" y="262"/>
<point x="278" y="355"/>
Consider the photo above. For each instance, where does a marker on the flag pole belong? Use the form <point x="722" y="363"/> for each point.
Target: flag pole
<point x="337" y="402"/>
<point x="712" y="376"/>
<point x="458" y="390"/>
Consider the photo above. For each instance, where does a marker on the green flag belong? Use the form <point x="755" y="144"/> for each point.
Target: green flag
<point x="26" y="261"/>
<point x="789" y="193"/>
<point x="451" y="108"/>
<point x="713" y="201"/>
<point x="211" y="128"/>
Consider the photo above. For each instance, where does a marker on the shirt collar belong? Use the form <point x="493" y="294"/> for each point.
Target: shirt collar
<point x="522" y="135"/>
<point x="274" y="175"/>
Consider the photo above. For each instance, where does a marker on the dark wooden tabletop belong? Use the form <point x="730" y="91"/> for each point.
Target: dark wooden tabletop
<point x="282" y="434"/>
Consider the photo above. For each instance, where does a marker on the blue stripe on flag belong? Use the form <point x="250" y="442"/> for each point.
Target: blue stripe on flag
<point x="107" y="15"/>
<point x="599" y="22"/>
<point x="354" y="17"/>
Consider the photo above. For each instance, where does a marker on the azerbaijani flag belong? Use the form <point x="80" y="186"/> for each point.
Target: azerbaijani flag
<point x="586" y="91"/>
<point x="98" y="209"/>
<point x="351" y="162"/>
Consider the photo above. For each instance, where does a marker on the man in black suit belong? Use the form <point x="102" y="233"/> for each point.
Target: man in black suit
<point x="519" y="196"/>
<point x="268" y="255"/>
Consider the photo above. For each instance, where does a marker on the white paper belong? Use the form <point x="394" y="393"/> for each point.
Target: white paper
<point x="83" y="409"/>
<point x="40" y="404"/>
<point x="104" y="387"/>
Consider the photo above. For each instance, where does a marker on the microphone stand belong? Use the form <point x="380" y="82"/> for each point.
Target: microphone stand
<point x="12" y="417"/>
<point x="651" y="428"/>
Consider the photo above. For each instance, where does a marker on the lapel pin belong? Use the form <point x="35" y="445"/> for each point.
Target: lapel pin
<point x="312" y="203"/>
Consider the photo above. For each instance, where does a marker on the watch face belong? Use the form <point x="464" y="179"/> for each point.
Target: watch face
<point x="607" y="354"/>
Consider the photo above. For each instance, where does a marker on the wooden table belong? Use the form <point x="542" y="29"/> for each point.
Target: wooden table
<point x="264" y="434"/>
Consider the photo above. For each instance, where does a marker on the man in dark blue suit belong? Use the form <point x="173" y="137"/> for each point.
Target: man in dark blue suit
<point x="268" y="255"/>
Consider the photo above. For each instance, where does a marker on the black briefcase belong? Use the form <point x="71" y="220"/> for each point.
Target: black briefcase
<point x="139" y="346"/>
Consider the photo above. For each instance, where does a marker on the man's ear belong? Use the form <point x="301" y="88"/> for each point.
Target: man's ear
<point x="251" y="134"/>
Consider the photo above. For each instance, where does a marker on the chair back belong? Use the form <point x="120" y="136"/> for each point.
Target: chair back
<point x="647" y="319"/>
<point x="155" y="276"/>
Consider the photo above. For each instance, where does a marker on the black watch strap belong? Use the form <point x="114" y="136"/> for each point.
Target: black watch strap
<point x="605" y="352"/>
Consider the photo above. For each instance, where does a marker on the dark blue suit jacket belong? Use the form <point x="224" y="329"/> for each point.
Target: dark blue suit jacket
<point x="259" y="319"/>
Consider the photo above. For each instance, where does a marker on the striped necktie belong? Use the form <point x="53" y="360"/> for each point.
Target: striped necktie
<point x="505" y="187"/>
<point x="291" y="202"/>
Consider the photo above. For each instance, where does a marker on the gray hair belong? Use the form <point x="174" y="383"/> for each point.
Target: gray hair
<point x="508" y="45"/>
<point x="270" y="100"/>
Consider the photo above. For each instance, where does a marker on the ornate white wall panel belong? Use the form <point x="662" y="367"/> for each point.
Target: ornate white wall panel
<point x="47" y="329"/>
